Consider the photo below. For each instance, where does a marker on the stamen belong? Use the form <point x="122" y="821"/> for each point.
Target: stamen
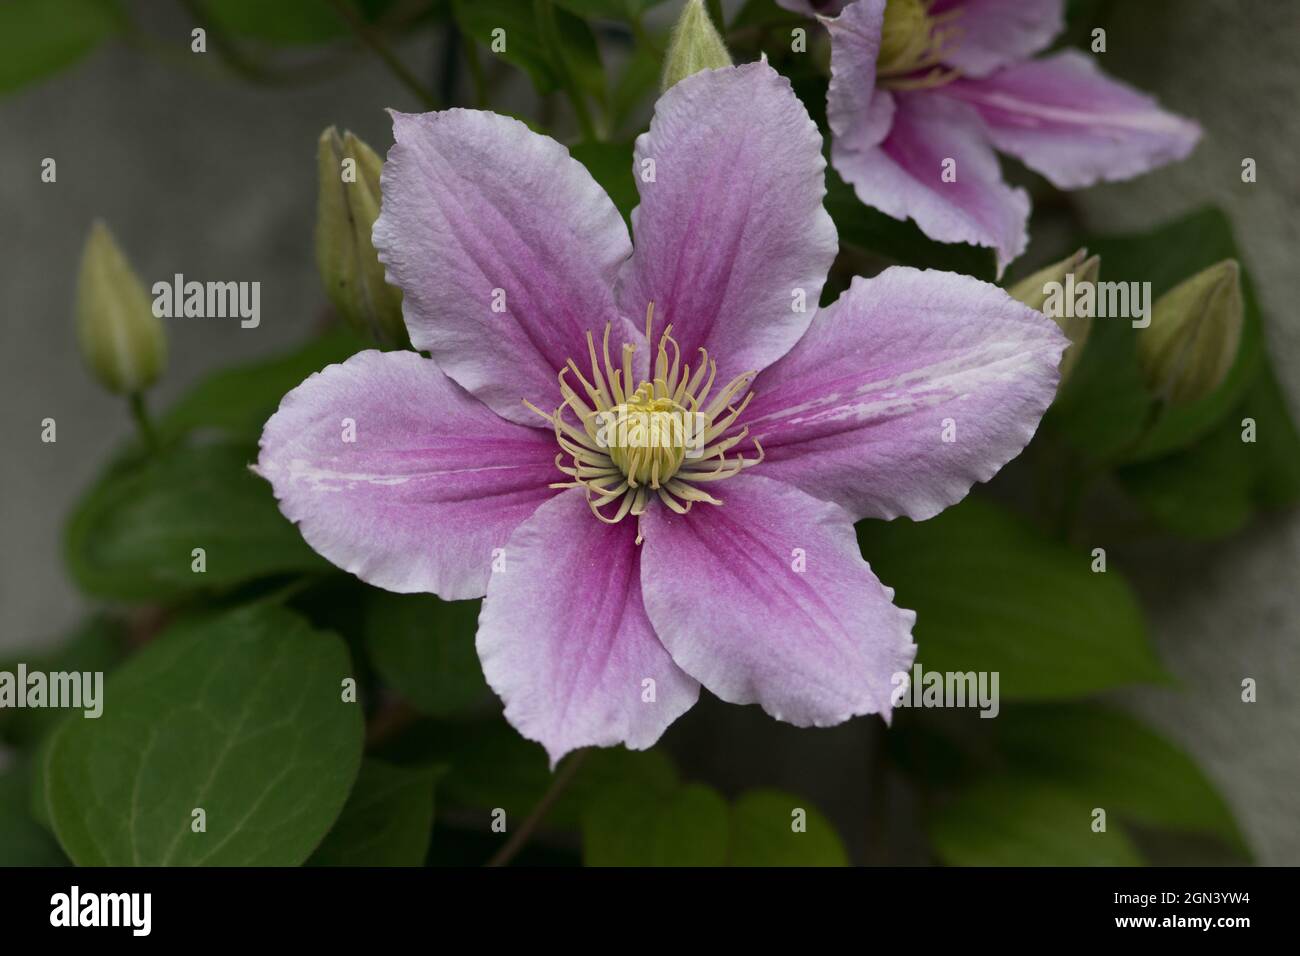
<point x="914" y="44"/>
<point x="657" y="438"/>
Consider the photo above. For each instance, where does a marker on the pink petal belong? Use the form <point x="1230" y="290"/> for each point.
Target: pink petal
<point x="475" y="202"/>
<point x="903" y="177"/>
<point x="995" y="33"/>
<point x="859" y="114"/>
<point x="722" y="587"/>
<point x="564" y="637"/>
<point x="733" y="224"/>
<point x="856" y="412"/>
<point x="432" y="483"/>
<point x="1065" y="118"/>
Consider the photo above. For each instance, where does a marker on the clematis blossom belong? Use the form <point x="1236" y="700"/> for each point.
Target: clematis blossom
<point x="923" y="87"/>
<point x="621" y="569"/>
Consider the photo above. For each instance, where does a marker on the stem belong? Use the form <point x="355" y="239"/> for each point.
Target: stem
<point x="372" y="39"/>
<point x="143" y="422"/>
<point x="522" y="835"/>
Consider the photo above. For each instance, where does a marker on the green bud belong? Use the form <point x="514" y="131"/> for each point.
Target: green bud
<point x="695" y="46"/>
<point x="1058" y="283"/>
<point x="346" y="209"/>
<point x="1191" y="343"/>
<point x="121" y="339"/>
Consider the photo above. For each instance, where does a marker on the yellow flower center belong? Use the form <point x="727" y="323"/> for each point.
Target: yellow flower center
<point x="913" y="43"/>
<point x="626" y="444"/>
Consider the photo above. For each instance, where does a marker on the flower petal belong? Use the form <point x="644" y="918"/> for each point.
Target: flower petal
<point x="1069" y="121"/>
<point x="856" y="412"/>
<point x="995" y="33"/>
<point x="767" y="600"/>
<point x="859" y="114"/>
<point x="565" y="641"/>
<point x="430" y="483"/>
<point x="732" y="225"/>
<point x="505" y="249"/>
<point x="929" y="135"/>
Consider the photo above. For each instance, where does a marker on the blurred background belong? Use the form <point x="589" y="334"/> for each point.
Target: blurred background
<point x="203" y="172"/>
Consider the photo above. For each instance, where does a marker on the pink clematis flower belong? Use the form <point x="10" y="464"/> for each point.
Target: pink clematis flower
<point x="622" y="574"/>
<point x="918" y="83"/>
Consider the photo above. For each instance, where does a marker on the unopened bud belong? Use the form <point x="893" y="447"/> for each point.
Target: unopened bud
<point x="1053" y="291"/>
<point x="346" y="209"/>
<point x="121" y="339"/>
<point x="1192" y="340"/>
<point x="695" y="46"/>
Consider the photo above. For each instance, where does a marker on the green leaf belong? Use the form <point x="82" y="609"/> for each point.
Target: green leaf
<point x="423" y="647"/>
<point x="1277" y="465"/>
<point x="1103" y="408"/>
<point x="608" y="9"/>
<point x="132" y="537"/>
<point x="764" y="14"/>
<point x="23" y="841"/>
<point x="685" y="827"/>
<point x="1011" y="821"/>
<point x="489" y="764"/>
<point x="1109" y="759"/>
<point x="239" y="715"/>
<point x="40" y="37"/>
<point x="637" y="86"/>
<point x="1215" y="486"/>
<point x="763" y="833"/>
<point x="610" y="771"/>
<point x="654" y="822"/>
<point x="898" y="240"/>
<point x="610" y="164"/>
<point x="238" y="401"/>
<point x="525" y="45"/>
<point x="1205" y="491"/>
<point x="574" y="50"/>
<point x="992" y="594"/>
<point x="387" y="820"/>
<point x="96" y="645"/>
<point x="288" y="22"/>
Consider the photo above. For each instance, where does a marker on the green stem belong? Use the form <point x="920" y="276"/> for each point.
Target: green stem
<point x="521" y="836"/>
<point x="148" y="434"/>
<point x="376" y="43"/>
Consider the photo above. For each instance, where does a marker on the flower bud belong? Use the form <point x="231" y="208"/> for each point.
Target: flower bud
<point x="121" y="339"/>
<point x="346" y="209"/>
<point x="695" y="46"/>
<point x="1191" y="343"/>
<point x="1052" y="291"/>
